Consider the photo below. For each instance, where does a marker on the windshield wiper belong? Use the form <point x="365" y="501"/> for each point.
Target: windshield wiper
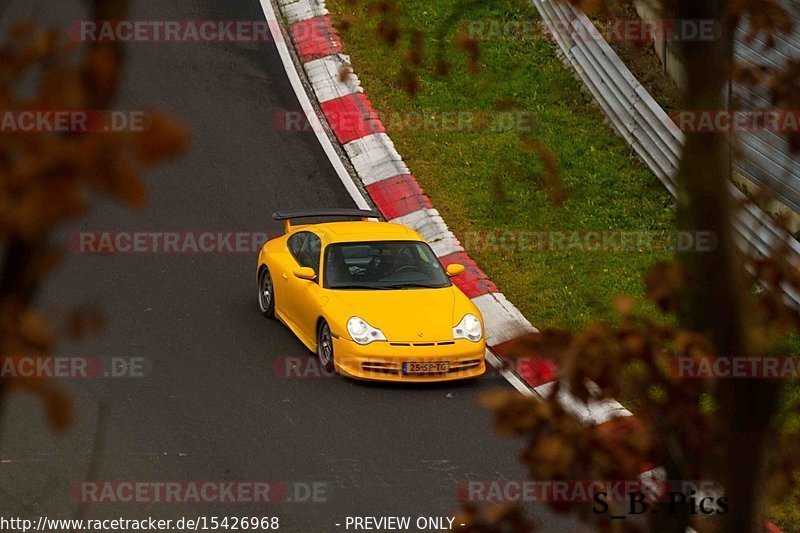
<point x="362" y="287"/>
<point x="414" y="286"/>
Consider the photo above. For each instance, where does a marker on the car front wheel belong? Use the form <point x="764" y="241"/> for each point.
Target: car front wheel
<point x="325" y="347"/>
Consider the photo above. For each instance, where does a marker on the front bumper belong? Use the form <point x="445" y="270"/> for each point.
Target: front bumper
<point x="383" y="361"/>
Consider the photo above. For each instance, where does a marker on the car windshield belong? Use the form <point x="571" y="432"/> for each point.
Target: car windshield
<point x="383" y="265"/>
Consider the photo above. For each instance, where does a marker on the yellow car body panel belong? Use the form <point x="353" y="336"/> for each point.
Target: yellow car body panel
<point x="417" y="323"/>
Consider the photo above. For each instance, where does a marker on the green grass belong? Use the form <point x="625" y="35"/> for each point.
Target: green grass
<point x="607" y="187"/>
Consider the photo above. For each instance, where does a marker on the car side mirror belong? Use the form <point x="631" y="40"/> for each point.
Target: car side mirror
<point x="306" y="273"/>
<point x="455" y="269"/>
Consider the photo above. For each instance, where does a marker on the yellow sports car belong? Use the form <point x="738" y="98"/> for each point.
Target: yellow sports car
<point x="370" y="298"/>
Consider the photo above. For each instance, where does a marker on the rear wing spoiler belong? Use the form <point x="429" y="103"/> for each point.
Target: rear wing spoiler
<point x="287" y="217"/>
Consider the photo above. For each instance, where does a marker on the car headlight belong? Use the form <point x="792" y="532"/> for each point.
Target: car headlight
<point x="363" y="333"/>
<point x="469" y="328"/>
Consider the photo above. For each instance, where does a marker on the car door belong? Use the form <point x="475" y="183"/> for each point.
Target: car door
<point x="303" y="302"/>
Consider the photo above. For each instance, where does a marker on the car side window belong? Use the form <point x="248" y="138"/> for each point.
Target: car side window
<point x="306" y="248"/>
<point x="313" y="248"/>
<point x="296" y="243"/>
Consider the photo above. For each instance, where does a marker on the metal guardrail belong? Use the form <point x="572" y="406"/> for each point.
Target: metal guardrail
<point x="646" y="127"/>
<point x="766" y="159"/>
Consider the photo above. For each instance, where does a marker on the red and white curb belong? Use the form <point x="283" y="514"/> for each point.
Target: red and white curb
<point x="391" y="185"/>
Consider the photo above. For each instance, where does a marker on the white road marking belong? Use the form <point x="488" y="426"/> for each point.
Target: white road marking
<point x="509" y="375"/>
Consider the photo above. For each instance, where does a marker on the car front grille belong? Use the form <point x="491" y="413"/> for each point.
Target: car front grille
<point x="381" y="368"/>
<point x="442" y="343"/>
<point x="460" y="366"/>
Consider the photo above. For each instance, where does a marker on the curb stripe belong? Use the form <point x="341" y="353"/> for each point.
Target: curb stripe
<point x="375" y="158"/>
<point x="474" y="282"/>
<point x="432" y="228"/>
<point x="593" y="413"/>
<point x="299" y="10"/>
<point x="315" y="38"/>
<point x="352" y="117"/>
<point x="503" y="321"/>
<point x="534" y="370"/>
<point x="332" y="77"/>
<point x="398" y="196"/>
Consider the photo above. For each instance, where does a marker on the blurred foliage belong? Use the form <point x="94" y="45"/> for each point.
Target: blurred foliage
<point x="48" y="178"/>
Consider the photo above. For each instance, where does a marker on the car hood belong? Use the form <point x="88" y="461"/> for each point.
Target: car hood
<point x="409" y="315"/>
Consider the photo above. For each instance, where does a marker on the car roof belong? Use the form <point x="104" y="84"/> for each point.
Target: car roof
<point x="362" y="231"/>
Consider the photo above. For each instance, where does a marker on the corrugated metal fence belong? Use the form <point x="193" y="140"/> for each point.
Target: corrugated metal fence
<point x="766" y="159"/>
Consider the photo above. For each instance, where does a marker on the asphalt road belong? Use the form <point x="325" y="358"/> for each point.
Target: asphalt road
<point x="212" y="406"/>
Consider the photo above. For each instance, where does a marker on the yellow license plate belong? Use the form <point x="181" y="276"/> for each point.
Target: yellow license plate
<point x="426" y="368"/>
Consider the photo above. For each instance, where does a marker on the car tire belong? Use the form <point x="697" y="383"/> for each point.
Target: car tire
<point x="325" y="347"/>
<point x="266" y="293"/>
